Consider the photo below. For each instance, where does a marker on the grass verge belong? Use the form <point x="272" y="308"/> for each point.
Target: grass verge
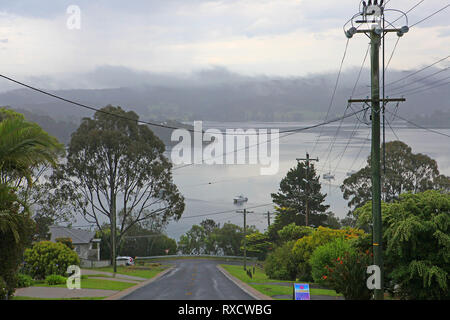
<point x="34" y="298"/>
<point x="267" y="288"/>
<point x="92" y="284"/>
<point x="146" y="271"/>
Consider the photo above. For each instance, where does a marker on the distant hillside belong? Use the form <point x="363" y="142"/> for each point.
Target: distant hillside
<point x="223" y="96"/>
<point x="63" y="130"/>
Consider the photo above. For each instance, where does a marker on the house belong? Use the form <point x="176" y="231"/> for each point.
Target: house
<point x="85" y="244"/>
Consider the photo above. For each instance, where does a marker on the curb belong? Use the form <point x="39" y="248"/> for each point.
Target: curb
<point x="245" y="287"/>
<point x="122" y="294"/>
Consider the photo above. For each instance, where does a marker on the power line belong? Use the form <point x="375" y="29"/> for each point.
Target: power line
<point x="389" y="124"/>
<point x="431" y="15"/>
<point x="416" y="5"/>
<point x="222" y="212"/>
<point x="418" y="71"/>
<point x="353" y="91"/>
<point x="346" y="146"/>
<point x="359" y="152"/>
<point x="427" y="86"/>
<point x="426" y="89"/>
<point x="288" y="133"/>
<point x="334" y="92"/>
<point x="420" y="79"/>
<point x="119" y="116"/>
<point x="419" y="126"/>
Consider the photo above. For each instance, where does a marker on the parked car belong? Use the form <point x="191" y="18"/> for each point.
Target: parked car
<point x="129" y="261"/>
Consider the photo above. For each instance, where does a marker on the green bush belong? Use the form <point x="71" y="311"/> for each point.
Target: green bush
<point x="24" y="280"/>
<point x="279" y="264"/>
<point x="66" y="241"/>
<point x="347" y="275"/>
<point x="46" y="258"/>
<point x="3" y="289"/>
<point x="304" y="247"/>
<point x="325" y="255"/>
<point x="16" y="230"/>
<point x="416" y="242"/>
<point x="55" y="279"/>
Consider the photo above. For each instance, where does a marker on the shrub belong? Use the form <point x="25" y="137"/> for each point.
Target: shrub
<point x="46" y="258"/>
<point x="16" y="230"/>
<point x="293" y="232"/>
<point x="416" y="239"/>
<point x="3" y="289"/>
<point x="347" y="275"/>
<point x="55" y="279"/>
<point x="305" y="246"/>
<point x="279" y="264"/>
<point x="66" y="241"/>
<point x="24" y="280"/>
<point x="324" y="256"/>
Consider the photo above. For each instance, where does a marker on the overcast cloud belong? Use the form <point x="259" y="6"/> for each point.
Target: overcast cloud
<point x="249" y="37"/>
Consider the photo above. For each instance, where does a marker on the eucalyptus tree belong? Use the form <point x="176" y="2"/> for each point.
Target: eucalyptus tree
<point x="405" y="172"/>
<point x="115" y="164"/>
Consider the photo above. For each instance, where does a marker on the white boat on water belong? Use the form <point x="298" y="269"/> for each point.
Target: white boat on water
<point x="240" y="199"/>
<point x="350" y="173"/>
<point x="328" y="176"/>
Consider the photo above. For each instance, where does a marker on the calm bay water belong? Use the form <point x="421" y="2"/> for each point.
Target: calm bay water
<point x="211" y="188"/>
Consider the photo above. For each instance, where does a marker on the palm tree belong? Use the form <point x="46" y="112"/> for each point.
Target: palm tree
<point x="9" y="219"/>
<point x="23" y="147"/>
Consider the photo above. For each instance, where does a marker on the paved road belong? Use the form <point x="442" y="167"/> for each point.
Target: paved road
<point x="194" y="279"/>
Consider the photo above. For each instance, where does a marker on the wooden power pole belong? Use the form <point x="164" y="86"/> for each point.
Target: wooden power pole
<point x="307" y="160"/>
<point x="245" y="235"/>
<point x="376" y="33"/>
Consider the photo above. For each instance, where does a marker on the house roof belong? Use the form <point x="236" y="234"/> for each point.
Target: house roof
<point x="78" y="236"/>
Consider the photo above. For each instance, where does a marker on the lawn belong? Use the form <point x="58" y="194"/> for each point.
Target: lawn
<point x="267" y="288"/>
<point x="146" y="271"/>
<point x="92" y="284"/>
<point x="259" y="276"/>
<point x="34" y="298"/>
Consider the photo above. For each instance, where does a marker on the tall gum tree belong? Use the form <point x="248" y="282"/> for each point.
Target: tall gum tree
<point x="116" y="165"/>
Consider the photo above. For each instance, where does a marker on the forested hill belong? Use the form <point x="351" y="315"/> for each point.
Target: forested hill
<point x="230" y="97"/>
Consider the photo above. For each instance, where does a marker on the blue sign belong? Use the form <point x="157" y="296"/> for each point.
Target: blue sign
<point x="301" y="291"/>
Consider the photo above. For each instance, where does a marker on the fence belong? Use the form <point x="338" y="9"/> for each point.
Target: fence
<point x="85" y="263"/>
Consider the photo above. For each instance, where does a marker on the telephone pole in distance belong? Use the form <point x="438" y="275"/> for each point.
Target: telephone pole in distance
<point x="307" y="159"/>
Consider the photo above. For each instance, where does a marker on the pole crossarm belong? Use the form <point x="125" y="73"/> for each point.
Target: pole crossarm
<point x="382" y="30"/>
<point x="380" y="100"/>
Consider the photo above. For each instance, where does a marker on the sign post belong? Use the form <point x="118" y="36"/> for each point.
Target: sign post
<point x="301" y="291"/>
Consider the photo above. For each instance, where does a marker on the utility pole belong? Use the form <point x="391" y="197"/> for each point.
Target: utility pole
<point x="245" y="234"/>
<point x="308" y="159"/>
<point x="268" y="219"/>
<point x="376" y="32"/>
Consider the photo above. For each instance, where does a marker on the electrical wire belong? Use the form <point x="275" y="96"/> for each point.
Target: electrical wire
<point x="126" y="118"/>
<point x="420" y="79"/>
<point x="418" y="71"/>
<point x="431" y="15"/>
<point x="395" y="134"/>
<point x="419" y="126"/>
<point x="289" y="132"/>
<point x="421" y="87"/>
<point x="353" y="92"/>
<point x="227" y="211"/>
<point x="434" y="87"/>
<point x="334" y="92"/>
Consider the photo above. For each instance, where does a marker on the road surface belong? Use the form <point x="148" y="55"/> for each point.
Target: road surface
<point x="191" y="279"/>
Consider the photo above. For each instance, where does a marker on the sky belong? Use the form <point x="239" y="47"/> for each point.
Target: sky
<point x="277" y="38"/>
